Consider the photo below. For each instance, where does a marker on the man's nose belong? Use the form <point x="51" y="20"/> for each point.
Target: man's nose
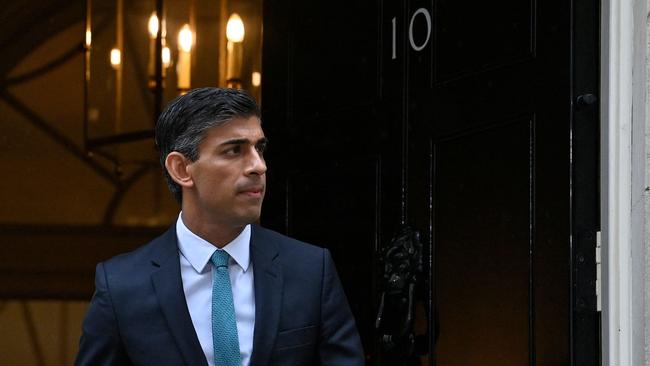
<point x="257" y="165"/>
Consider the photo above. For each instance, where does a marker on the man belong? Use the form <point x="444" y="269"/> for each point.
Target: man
<point x="216" y="289"/>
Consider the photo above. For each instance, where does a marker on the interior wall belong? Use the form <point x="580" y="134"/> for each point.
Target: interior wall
<point x="40" y="333"/>
<point x="49" y="186"/>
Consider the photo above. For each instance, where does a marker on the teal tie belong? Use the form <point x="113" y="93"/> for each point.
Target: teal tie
<point x="224" y="327"/>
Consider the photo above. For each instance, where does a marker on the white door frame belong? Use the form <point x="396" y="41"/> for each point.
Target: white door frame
<point x="623" y="104"/>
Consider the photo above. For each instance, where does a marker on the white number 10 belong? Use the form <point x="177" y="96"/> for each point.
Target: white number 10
<point x="427" y="17"/>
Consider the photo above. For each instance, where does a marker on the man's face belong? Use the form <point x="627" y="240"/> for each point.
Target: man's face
<point x="230" y="174"/>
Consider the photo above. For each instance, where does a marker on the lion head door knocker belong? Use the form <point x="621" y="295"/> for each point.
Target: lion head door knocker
<point x="402" y="267"/>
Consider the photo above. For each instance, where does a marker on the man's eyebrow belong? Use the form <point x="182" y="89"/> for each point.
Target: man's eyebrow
<point x="263" y="140"/>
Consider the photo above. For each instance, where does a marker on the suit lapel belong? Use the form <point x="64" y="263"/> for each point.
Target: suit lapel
<point x="168" y="285"/>
<point x="268" y="294"/>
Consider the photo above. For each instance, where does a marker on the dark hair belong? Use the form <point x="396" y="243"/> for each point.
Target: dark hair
<point x="184" y="121"/>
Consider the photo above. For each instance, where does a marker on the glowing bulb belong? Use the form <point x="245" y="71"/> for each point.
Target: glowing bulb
<point x="235" y="28"/>
<point x="89" y="37"/>
<point x="256" y="78"/>
<point x="153" y="25"/>
<point x="185" y="38"/>
<point x="116" y="58"/>
<point x="166" y="56"/>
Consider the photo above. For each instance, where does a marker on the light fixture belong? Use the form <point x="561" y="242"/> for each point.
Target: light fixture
<point x="183" y="67"/>
<point x="116" y="58"/>
<point x="235" y="28"/>
<point x="234" y="51"/>
<point x="256" y="78"/>
<point x="166" y="57"/>
<point x="185" y="38"/>
<point x="153" y="25"/>
<point x="134" y="64"/>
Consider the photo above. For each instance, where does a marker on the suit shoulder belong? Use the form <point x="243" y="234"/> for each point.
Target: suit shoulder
<point x="156" y="248"/>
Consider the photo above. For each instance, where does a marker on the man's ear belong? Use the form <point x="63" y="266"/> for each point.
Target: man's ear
<point x="177" y="166"/>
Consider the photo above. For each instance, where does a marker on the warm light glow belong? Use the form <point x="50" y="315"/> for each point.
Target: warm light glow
<point x="235" y="28"/>
<point x="185" y="38"/>
<point x="166" y="57"/>
<point x="89" y="37"/>
<point x="256" y="78"/>
<point x="116" y="58"/>
<point x="153" y="25"/>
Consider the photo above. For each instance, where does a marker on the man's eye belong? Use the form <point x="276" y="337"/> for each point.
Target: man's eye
<point x="260" y="148"/>
<point x="234" y="150"/>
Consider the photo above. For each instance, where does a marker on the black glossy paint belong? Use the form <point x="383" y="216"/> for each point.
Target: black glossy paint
<point x="472" y="140"/>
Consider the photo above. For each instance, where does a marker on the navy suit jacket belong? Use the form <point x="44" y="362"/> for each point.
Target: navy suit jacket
<point x="138" y="314"/>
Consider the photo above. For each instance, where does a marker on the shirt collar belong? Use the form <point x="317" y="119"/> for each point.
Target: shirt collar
<point x="198" y="251"/>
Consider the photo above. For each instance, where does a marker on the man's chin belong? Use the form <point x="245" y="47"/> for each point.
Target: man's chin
<point x="250" y="217"/>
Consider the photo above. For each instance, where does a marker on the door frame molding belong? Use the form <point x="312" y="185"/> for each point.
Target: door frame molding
<point x="623" y="103"/>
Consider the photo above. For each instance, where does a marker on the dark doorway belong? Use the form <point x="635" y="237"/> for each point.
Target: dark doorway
<point x="473" y="124"/>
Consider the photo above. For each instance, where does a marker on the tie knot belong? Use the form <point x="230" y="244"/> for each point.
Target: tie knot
<point x="220" y="258"/>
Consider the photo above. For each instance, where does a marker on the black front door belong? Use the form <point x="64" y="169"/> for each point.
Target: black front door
<point x="457" y="120"/>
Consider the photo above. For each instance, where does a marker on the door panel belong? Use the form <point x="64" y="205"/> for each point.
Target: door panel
<point x="483" y="246"/>
<point x="480" y="36"/>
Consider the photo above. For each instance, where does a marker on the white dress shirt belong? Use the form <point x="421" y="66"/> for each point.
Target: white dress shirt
<point x="196" y="272"/>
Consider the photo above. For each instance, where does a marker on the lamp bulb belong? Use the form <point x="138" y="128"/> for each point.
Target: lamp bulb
<point x="185" y="38"/>
<point x="235" y="28"/>
<point x="116" y="58"/>
<point x="153" y="25"/>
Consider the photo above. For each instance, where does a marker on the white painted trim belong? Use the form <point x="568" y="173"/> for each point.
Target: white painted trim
<point x="622" y="68"/>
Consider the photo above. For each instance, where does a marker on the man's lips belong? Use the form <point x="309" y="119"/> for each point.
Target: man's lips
<point x="252" y="191"/>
